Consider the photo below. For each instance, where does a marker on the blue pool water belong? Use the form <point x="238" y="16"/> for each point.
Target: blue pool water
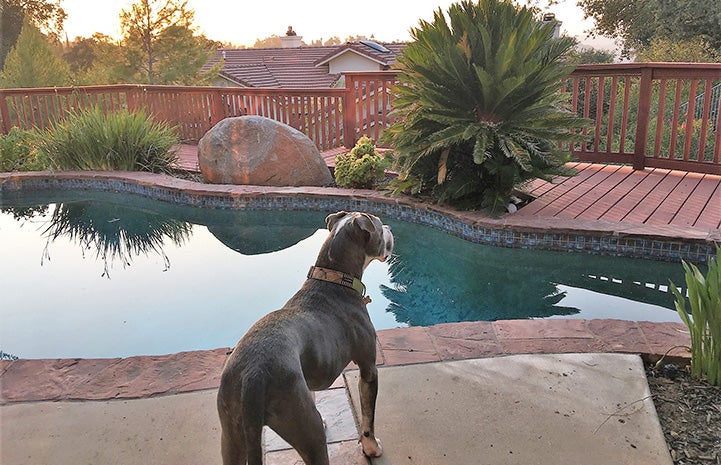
<point x="91" y="274"/>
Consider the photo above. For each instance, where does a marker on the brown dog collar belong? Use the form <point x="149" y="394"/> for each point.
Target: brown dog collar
<point x="338" y="277"/>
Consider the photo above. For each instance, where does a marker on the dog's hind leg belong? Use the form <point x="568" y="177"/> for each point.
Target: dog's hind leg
<point x="299" y="423"/>
<point x="232" y="441"/>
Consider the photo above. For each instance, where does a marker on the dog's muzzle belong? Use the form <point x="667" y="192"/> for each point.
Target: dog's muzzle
<point x="388" y="243"/>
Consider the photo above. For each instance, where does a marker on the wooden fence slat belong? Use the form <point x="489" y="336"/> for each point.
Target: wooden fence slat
<point x="689" y="120"/>
<point x="660" y="118"/>
<point x="704" y="120"/>
<point x="624" y="118"/>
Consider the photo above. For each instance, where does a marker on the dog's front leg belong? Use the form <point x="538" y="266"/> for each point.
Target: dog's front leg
<point x="368" y="388"/>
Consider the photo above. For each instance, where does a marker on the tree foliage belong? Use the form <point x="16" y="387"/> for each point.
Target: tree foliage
<point x="478" y="111"/>
<point x="32" y="62"/>
<point x="689" y="50"/>
<point x="158" y="33"/>
<point x="94" y="60"/>
<point x="269" y="42"/>
<point x="45" y="15"/>
<point x="590" y="55"/>
<point x="637" y="23"/>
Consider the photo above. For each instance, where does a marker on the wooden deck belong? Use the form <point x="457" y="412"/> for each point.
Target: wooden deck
<point x="617" y="193"/>
<point x="613" y="193"/>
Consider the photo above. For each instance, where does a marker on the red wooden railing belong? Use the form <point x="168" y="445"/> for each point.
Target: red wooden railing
<point x="646" y="114"/>
<point x="663" y="115"/>
<point x="368" y="102"/>
<point x="192" y="110"/>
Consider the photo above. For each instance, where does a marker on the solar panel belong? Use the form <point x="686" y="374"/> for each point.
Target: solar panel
<point x="375" y="46"/>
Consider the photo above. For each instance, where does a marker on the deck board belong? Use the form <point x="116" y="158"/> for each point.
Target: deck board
<point x="576" y="196"/>
<point x="648" y="180"/>
<point x="672" y="205"/>
<point x="695" y="203"/>
<point x="710" y="217"/>
<point x="583" y="207"/>
<point x="610" y="200"/>
<point x="585" y="170"/>
<point x="653" y="200"/>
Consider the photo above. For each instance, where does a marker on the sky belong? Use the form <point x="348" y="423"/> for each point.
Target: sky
<point x="242" y="22"/>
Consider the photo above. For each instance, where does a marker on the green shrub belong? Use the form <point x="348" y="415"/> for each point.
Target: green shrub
<point x="362" y="167"/>
<point x="704" y="320"/>
<point x="18" y="152"/>
<point x="478" y="110"/>
<point x="121" y="140"/>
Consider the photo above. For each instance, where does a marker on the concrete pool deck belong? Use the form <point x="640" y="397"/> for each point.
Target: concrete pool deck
<point x="127" y="410"/>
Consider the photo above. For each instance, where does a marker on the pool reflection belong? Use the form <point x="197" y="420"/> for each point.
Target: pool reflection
<point x="438" y="279"/>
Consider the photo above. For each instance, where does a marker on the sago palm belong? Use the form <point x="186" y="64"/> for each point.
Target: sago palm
<point x="478" y="109"/>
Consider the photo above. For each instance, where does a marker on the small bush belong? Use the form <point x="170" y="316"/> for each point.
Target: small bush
<point x="704" y="319"/>
<point x="18" y="152"/>
<point x="121" y="140"/>
<point x="360" y="168"/>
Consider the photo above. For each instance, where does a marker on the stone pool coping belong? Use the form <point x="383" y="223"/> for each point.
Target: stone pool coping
<point x="670" y="242"/>
<point x="32" y="380"/>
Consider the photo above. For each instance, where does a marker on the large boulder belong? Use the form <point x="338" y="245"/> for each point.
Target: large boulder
<point x="260" y="151"/>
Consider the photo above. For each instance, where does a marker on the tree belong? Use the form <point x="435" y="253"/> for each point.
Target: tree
<point x="32" y="62"/>
<point x="690" y="50"/>
<point x="335" y="40"/>
<point x="158" y="32"/>
<point x="47" y="16"/>
<point x="93" y="60"/>
<point x="638" y="22"/>
<point x="478" y="110"/>
<point x="590" y="55"/>
<point x="181" y="55"/>
<point x="269" y="42"/>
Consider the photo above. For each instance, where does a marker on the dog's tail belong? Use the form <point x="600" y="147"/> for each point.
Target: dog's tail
<point x="252" y="400"/>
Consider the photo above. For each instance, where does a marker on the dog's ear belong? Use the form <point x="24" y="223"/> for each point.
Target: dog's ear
<point x="333" y="218"/>
<point x="365" y="223"/>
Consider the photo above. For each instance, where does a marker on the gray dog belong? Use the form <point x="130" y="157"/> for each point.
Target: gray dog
<point x="303" y="347"/>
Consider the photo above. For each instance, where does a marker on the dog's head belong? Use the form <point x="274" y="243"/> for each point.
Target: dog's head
<point x="363" y="229"/>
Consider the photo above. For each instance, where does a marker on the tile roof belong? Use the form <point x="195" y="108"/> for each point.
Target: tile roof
<point x="304" y="67"/>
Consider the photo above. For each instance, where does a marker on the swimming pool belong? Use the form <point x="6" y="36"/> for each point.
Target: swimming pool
<point x="93" y="274"/>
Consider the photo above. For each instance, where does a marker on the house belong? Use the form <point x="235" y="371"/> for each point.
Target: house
<point x="296" y="66"/>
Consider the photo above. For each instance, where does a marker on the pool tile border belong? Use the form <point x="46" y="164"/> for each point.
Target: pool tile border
<point x="31" y="380"/>
<point x="669" y="243"/>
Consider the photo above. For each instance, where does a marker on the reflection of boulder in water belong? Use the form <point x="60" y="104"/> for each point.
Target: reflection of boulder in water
<point x="260" y="239"/>
<point x="255" y="233"/>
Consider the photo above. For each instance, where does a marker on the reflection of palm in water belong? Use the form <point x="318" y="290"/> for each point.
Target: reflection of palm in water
<point x="439" y="279"/>
<point x="441" y="290"/>
<point x="115" y="232"/>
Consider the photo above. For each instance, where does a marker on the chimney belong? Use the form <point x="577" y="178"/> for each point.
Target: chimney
<point x="290" y="39"/>
<point x="551" y="18"/>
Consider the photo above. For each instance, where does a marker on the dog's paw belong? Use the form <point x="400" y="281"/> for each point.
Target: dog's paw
<point x="371" y="446"/>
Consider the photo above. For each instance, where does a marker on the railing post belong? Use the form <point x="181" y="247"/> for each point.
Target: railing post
<point x="4" y="113"/>
<point x="644" y="112"/>
<point x="349" y="112"/>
